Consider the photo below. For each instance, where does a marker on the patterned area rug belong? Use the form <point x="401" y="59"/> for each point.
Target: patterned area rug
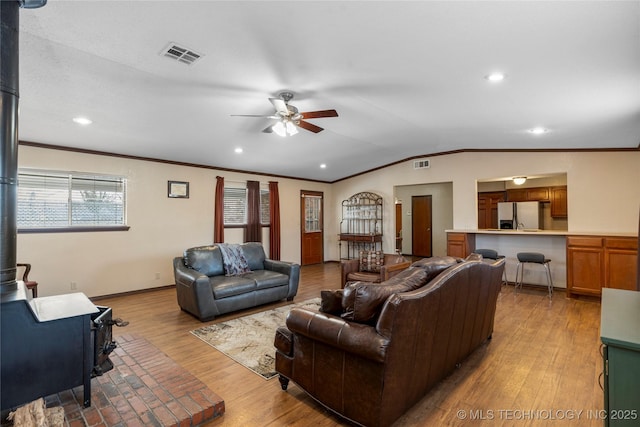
<point x="249" y="340"/>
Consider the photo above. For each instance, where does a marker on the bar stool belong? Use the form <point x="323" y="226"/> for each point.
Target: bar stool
<point x="493" y="254"/>
<point x="533" y="258"/>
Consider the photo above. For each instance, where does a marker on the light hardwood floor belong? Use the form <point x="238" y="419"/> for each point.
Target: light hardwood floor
<point x="540" y="368"/>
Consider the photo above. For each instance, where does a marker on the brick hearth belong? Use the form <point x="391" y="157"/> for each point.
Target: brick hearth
<point x="145" y="388"/>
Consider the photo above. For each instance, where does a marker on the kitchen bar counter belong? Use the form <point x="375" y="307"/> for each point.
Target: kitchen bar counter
<point x="583" y="262"/>
<point x="542" y="232"/>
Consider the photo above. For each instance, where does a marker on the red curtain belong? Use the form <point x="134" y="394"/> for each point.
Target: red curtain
<point x="218" y="218"/>
<point x="253" y="231"/>
<point x="274" y="215"/>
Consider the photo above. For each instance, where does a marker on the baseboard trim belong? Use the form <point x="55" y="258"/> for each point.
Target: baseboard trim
<point x="127" y="293"/>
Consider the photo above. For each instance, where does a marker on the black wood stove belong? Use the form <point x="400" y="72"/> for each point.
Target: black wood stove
<point x="51" y="344"/>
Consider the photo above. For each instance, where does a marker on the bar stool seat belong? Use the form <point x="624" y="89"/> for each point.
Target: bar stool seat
<point x="493" y="254"/>
<point x="532" y="258"/>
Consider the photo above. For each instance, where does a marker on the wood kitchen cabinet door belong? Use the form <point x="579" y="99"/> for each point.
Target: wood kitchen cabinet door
<point x="533" y="194"/>
<point x="460" y="244"/>
<point x="621" y="263"/>
<point x="517" y="195"/>
<point x="585" y="265"/>
<point x="559" y="202"/>
<point x="538" y="194"/>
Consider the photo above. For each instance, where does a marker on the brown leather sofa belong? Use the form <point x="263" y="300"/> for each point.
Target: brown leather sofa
<point x="374" y="350"/>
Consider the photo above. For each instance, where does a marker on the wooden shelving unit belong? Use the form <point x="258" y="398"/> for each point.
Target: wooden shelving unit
<point x="361" y="224"/>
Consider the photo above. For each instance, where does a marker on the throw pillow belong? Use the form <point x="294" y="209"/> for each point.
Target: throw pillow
<point x="371" y="261"/>
<point x="331" y="301"/>
<point x="234" y="261"/>
<point x="362" y="301"/>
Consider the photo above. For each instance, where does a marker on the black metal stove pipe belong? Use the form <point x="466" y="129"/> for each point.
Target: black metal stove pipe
<point x="9" y="73"/>
<point x="8" y="141"/>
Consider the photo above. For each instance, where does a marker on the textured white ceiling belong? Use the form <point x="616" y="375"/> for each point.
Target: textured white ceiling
<point x="407" y="79"/>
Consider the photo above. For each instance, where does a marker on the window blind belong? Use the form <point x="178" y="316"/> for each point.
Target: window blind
<point x="235" y="206"/>
<point x="55" y="200"/>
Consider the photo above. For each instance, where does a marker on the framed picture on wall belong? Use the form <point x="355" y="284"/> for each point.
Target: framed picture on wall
<point x="178" y="189"/>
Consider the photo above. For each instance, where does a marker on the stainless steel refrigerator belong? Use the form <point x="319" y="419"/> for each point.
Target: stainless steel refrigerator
<point x="520" y="215"/>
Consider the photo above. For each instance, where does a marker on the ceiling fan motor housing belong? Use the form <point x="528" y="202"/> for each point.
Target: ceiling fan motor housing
<point x="286" y="96"/>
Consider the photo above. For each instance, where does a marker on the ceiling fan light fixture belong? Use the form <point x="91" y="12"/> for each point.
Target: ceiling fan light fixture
<point x="519" y="180"/>
<point x="280" y="129"/>
<point x="291" y="128"/>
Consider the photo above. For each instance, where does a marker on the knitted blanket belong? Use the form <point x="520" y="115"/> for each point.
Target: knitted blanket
<point x="233" y="259"/>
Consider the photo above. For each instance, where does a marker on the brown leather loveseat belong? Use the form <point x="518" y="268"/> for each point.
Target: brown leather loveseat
<point x="374" y="350"/>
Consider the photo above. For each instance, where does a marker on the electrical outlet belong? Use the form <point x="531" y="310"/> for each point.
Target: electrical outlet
<point x="74" y="286"/>
<point x="157" y="276"/>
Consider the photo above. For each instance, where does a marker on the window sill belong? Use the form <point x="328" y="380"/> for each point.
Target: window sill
<point x="88" y="229"/>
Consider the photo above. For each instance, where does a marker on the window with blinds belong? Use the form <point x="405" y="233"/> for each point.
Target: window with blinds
<point x="66" y="200"/>
<point x="235" y="206"/>
<point x="265" y="217"/>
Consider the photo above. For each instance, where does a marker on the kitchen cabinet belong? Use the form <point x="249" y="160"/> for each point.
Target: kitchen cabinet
<point x="585" y="265"/>
<point x="488" y="208"/>
<point x="460" y="244"/>
<point x="517" y="195"/>
<point x="558" y="196"/>
<point x="533" y="194"/>
<point x="361" y="224"/>
<point x="620" y="261"/>
<point x="597" y="262"/>
<point x="620" y="336"/>
<point x="538" y="194"/>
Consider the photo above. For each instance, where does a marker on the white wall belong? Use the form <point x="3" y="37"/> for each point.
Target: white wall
<point x="103" y="263"/>
<point x="603" y="196"/>
<point x="441" y="216"/>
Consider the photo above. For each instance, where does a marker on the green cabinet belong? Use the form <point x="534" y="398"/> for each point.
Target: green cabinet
<point x="620" y="335"/>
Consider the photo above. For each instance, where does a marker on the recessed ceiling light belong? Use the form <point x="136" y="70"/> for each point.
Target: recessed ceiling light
<point x="495" y="77"/>
<point x="82" y="121"/>
<point x="238" y="150"/>
<point x="323" y="166"/>
<point x="538" y="131"/>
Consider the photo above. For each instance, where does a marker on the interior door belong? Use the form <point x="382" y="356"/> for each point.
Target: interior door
<point x="421" y="234"/>
<point x="312" y="227"/>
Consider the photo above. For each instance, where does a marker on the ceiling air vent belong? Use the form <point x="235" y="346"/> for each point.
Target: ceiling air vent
<point x="180" y="53"/>
<point x="421" y="164"/>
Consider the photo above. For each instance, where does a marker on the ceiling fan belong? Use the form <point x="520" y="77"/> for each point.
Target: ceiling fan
<point x="289" y="118"/>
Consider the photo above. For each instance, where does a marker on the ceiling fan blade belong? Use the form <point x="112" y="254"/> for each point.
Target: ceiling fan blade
<point x="319" y="114"/>
<point x="280" y="106"/>
<point x="268" y="129"/>
<point x="308" y="126"/>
